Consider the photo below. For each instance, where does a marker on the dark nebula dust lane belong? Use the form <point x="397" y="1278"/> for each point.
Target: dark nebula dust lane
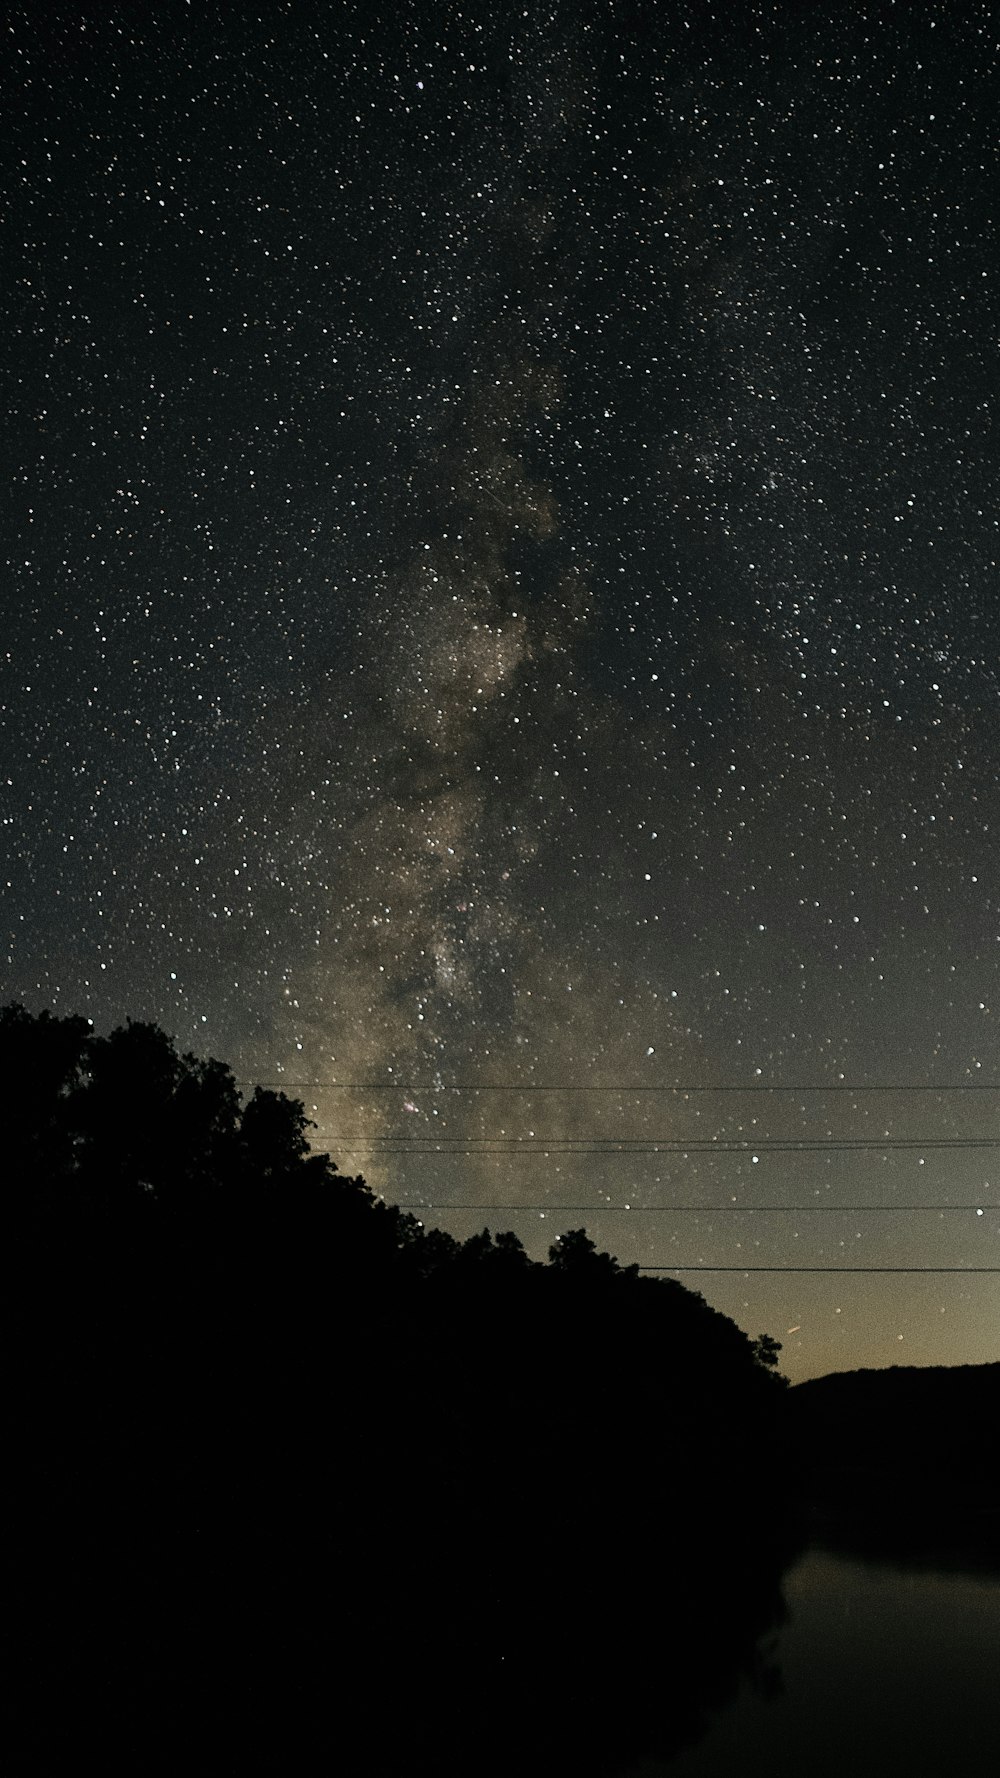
<point x="500" y="590"/>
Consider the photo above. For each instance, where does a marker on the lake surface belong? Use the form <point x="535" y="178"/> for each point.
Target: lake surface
<point x="884" y="1669"/>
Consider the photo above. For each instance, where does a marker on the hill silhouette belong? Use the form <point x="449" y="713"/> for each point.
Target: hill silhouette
<point x="902" y="1461"/>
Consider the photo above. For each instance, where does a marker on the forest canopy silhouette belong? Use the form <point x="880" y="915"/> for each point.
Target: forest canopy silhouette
<point x="125" y="1136"/>
<point x="286" y="1453"/>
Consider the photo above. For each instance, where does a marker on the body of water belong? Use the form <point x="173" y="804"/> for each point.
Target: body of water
<point x="884" y="1670"/>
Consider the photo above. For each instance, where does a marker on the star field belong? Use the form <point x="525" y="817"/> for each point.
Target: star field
<point x="500" y="589"/>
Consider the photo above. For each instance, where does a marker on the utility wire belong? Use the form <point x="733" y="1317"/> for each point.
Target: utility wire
<point x="703" y="1209"/>
<point x="382" y="1086"/>
<point x="827" y="1269"/>
<point x="491" y="1145"/>
<point x="436" y="1146"/>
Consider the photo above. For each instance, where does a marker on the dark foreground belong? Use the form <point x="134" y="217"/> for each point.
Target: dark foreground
<point x="268" y="1527"/>
<point x="300" y="1484"/>
<point x="269" y="1522"/>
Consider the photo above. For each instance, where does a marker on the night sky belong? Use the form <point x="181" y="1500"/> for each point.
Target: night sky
<point x="500" y="540"/>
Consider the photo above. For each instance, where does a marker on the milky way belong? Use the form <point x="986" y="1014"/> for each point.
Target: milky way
<point x="501" y="592"/>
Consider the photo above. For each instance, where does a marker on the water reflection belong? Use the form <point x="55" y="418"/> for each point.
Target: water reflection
<point x="885" y="1669"/>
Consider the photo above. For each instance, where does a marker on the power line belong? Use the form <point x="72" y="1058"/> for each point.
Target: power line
<point x="430" y="1147"/>
<point x="679" y="1144"/>
<point x="828" y="1269"/>
<point x="382" y="1086"/>
<point x="704" y="1209"/>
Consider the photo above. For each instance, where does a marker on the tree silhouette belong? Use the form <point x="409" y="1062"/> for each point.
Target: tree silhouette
<point x="286" y="1453"/>
<point x="41" y="1062"/>
<point x="767" y="1351"/>
<point x="575" y="1255"/>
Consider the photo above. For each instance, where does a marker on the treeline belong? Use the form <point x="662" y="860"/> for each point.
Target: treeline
<point x="301" y="1480"/>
